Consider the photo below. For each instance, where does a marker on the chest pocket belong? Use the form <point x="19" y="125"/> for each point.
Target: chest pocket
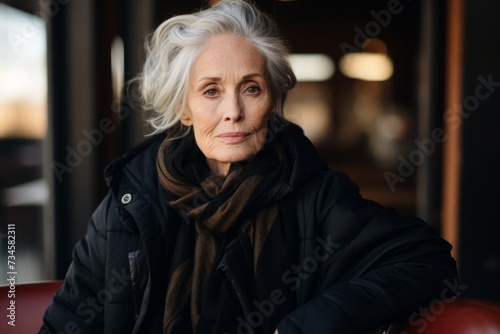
<point x="139" y="277"/>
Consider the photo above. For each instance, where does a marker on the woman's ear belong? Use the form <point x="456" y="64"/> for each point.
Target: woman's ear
<point x="186" y="118"/>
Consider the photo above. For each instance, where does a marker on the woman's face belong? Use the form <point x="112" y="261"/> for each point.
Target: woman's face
<point x="228" y="101"/>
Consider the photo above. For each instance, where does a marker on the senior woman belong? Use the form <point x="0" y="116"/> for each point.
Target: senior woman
<point x="226" y="220"/>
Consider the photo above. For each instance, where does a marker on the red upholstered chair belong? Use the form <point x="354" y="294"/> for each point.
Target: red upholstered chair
<point x="31" y="301"/>
<point x="458" y="316"/>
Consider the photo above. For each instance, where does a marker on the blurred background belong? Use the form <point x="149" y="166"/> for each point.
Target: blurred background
<point x="402" y="95"/>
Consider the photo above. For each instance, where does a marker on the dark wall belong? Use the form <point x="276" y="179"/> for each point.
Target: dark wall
<point x="480" y="181"/>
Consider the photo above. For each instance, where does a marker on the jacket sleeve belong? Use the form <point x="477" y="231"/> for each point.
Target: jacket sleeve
<point x="383" y="267"/>
<point x="75" y="307"/>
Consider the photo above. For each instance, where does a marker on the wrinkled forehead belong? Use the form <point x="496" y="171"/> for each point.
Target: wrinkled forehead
<point x="228" y="55"/>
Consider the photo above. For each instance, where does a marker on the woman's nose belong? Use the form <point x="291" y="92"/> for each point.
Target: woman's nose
<point x="233" y="108"/>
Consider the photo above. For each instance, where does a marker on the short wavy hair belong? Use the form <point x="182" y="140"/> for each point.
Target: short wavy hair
<point x="174" y="46"/>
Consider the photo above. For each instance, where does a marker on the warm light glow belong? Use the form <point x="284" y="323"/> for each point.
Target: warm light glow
<point x="366" y="66"/>
<point x="23" y="120"/>
<point x="117" y="65"/>
<point x="309" y="106"/>
<point x="313" y="116"/>
<point x="312" y="67"/>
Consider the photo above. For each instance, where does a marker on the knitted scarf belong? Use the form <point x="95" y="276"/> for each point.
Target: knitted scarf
<point x="214" y="208"/>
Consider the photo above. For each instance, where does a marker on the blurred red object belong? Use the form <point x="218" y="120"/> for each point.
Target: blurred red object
<point x="459" y="316"/>
<point x="24" y="305"/>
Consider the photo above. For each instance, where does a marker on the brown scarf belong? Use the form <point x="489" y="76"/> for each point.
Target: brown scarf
<point x="213" y="207"/>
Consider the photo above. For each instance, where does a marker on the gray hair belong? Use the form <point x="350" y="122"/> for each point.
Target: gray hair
<point x="173" y="47"/>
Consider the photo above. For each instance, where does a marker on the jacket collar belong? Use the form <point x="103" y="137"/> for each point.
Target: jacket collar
<point x="135" y="171"/>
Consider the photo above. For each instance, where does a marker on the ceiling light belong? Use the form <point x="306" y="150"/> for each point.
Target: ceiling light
<point x="312" y="67"/>
<point x="366" y="66"/>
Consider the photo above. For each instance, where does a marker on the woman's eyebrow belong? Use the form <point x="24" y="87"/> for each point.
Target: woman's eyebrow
<point x="245" y="77"/>
<point x="251" y="75"/>
<point x="216" y="79"/>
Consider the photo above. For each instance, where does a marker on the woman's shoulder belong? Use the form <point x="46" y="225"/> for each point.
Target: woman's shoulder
<point x="329" y="182"/>
<point x="135" y="172"/>
<point x="331" y="195"/>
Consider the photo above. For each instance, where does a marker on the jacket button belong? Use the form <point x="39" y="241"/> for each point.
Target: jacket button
<point x="126" y="198"/>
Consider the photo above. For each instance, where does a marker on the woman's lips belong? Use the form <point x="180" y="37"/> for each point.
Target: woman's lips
<point x="234" y="137"/>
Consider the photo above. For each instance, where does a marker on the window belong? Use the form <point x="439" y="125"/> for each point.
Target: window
<point x="23" y="126"/>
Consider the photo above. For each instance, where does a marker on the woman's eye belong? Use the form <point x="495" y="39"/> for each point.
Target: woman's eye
<point x="253" y="89"/>
<point x="211" y="92"/>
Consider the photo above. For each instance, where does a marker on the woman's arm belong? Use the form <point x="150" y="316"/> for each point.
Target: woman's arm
<point x="387" y="265"/>
<point x="76" y="307"/>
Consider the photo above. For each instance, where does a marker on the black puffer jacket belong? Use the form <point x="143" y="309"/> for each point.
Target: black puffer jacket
<point x="332" y="262"/>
